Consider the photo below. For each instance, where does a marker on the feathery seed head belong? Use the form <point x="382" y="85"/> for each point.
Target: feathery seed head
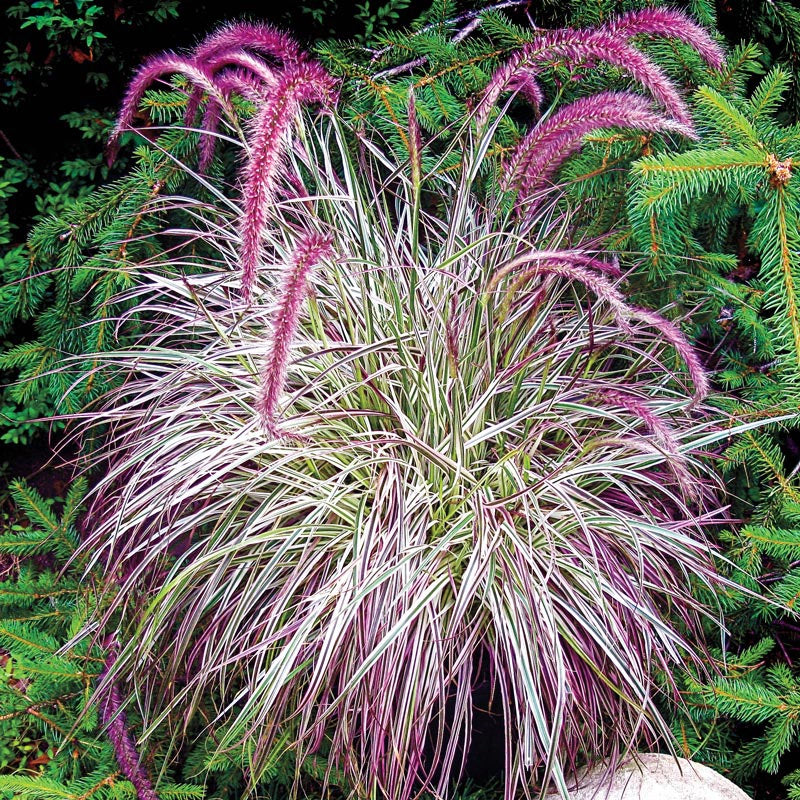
<point x="671" y="23"/>
<point x="311" y="249"/>
<point x="270" y="129"/>
<point x="542" y="151"/>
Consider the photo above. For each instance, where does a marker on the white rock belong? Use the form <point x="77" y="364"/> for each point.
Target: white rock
<point x="653" y="776"/>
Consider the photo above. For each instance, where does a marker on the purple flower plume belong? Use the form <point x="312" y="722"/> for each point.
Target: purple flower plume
<point x="605" y="44"/>
<point x="230" y="61"/>
<point x="222" y="63"/>
<point x="270" y="128"/>
<point x="672" y="23"/>
<point x="115" y="723"/>
<point x="263" y="38"/>
<point x="208" y="142"/>
<point x="311" y="249"/>
<point x="532" y="265"/>
<point x="581" y="269"/>
<point x="258" y="36"/>
<point x="673" y="334"/>
<point x="541" y="152"/>
<point x="579" y="46"/>
<point x="414" y="138"/>
<point x="663" y="435"/>
<point x="524" y="82"/>
<point x="168" y="63"/>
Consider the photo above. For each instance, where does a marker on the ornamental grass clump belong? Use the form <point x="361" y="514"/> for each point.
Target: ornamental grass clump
<point x="398" y="440"/>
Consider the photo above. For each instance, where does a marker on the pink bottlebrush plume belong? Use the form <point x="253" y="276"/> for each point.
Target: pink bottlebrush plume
<point x="676" y="464"/>
<point x="673" y="334"/>
<point x="192" y="105"/>
<point x="571" y="269"/>
<point x="115" y="723"/>
<point x="208" y="141"/>
<point x="524" y="82"/>
<point x="500" y="81"/>
<point x="671" y="23"/>
<point x="243" y="61"/>
<point x="258" y="36"/>
<point x="226" y="47"/>
<point x="544" y="148"/>
<point x="661" y="432"/>
<point x="575" y="257"/>
<point x="304" y="82"/>
<point x="239" y="81"/>
<point x="663" y="435"/>
<point x="311" y="249"/>
<point x="577" y="46"/>
<point x="248" y="84"/>
<point x="414" y="139"/>
<point x="153" y="68"/>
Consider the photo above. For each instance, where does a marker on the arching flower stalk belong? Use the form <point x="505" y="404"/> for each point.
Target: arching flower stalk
<point x="579" y="45"/>
<point x="542" y="151"/>
<point x="672" y="24"/>
<point x="228" y="47"/>
<point x="154" y="68"/>
<point x="673" y="334"/>
<point x="305" y="82"/>
<point x="663" y="436"/>
<point x="220" y="66"/>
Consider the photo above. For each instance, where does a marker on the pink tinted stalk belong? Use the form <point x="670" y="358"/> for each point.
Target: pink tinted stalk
<point x="673" y="334"/>
<point x="671" y="23"/>
<point x="544" y="149"/>
<point x="598" y="284"/>
<point x="310" y="250"/>
<point x="306" y="82"/>
<point x="569" y="256"/>
<point x="115" y="723"/>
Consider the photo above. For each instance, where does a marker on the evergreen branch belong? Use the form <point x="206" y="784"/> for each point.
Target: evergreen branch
<point x="789" y="295"/>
